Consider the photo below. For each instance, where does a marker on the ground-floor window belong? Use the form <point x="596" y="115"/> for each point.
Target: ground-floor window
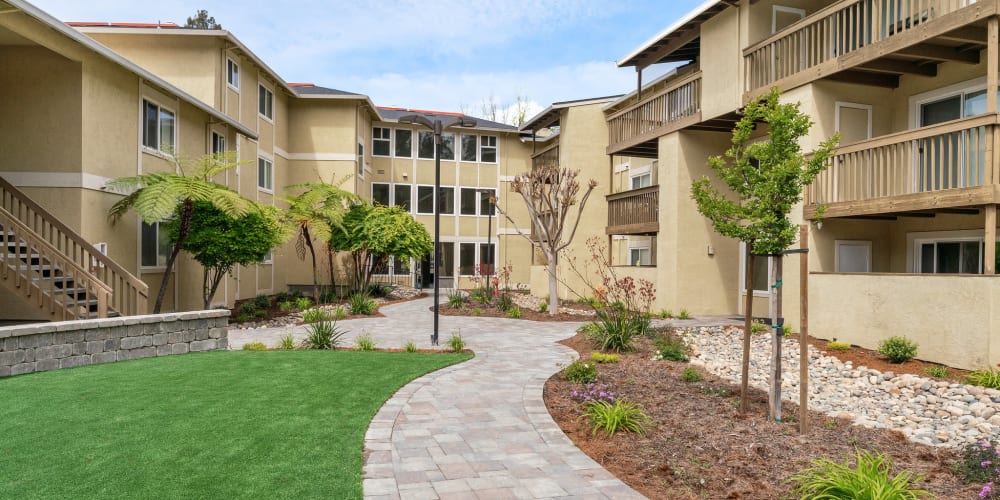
<point x="761" y="271"/>
<point x="155" y="246"/>
<point x="950" y="257"/>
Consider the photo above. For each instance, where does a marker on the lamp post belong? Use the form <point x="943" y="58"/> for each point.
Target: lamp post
<point x="437" y="126"/>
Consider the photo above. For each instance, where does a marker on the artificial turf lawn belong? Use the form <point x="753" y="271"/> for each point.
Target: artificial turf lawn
<point x="276" y="424"/>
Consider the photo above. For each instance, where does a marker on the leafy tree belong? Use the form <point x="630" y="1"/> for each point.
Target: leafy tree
<point x="219" y="242"/>
<point x="550" y="192"/>
<point x="202" y="21"/>
<point x="373" y="233"/>
<point x="313" y="215"/>
<point x="767" y="178"/>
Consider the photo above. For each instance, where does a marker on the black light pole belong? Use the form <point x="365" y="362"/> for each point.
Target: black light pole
<point x="437" y="126"/>
<point x="489" y="234"/>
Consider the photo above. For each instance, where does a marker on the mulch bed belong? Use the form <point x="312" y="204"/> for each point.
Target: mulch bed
<point x="872" y="359"/>
<point x="492" y="312"/>
<point x="699" y="446"/>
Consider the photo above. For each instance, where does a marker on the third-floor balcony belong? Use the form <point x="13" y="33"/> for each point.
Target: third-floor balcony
<point x="869" y="41"/>
<point x="633" y="131"/>
<point x="634" y="212"/>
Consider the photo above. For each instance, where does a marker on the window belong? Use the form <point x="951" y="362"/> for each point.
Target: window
<point x="642" y="180"/>
<point x="155" y="246"/>
<point x="361" y="159"/>
<point x="761" y="271"/>
<point x="269" y="258"/>
<point x="487" y="201"/>
<point x="380" y="194"/>
<point x="404" y="143"/>
<point x="446" y="264"/>
<point x="466" y="259"/>
<point x="381" y="141"/>
<point x="467" y="203"/>
<point x="446" y="201"/>
<point x="639" y="256"/>
<point x="218" y="143"/>
<point x="400" y="266"/>
<point x="265" y="174"/>
<point x="447" y="146"/>
<point x="853" y="256"/>
<point x="951" y="257"/>
<point x="425" y="199"/>
<point x="402" y="194"/>
<point x="232" y="74"/>
<point x="487" y="256"/>
<point x="469" y="144"/>
<point x="425" y="145"/>
<point x="159" y="128"/>
<point x="488" y="149"/>
<point x="265" y="102"/>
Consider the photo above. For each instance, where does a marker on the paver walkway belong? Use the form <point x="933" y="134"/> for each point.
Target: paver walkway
<point x="474" y="430"/>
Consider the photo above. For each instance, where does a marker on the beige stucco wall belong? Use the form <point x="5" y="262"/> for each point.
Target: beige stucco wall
<point x="721" y="64"/>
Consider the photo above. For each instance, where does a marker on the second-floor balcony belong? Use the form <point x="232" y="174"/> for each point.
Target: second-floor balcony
<point x="869" y="41"/>
<point x="678" y="105"/>
<point x="634" y="212"/>
<point x="949" y="167"/>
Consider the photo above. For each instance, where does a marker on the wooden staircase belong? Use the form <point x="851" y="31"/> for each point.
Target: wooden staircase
<point x="56" y="270"/>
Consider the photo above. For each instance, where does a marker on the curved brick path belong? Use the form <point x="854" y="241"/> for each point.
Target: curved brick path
<point x="474" y="430"/>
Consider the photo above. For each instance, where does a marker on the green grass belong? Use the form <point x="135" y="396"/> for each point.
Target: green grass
<point x="277" y="424"/>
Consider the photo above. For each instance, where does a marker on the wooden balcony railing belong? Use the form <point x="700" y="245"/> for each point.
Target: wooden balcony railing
<point x="634" y="212"/>
<point x="548" y="157"/>
<point x="672" y="108"/>
<point x="870" y="176"/>
<point x="835" y="31"/>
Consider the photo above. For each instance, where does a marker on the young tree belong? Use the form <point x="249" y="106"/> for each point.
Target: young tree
<point x="767" y="178"/>
<point x="202" y="21"/>
<point x="550" y="192"/>
<point x="373" y="233"/>
<point x="156" y="197"/>
<point x="219" y="242"/>
<point x="313" y="215"/>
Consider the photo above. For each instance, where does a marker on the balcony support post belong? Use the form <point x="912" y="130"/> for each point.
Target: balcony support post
<point x="990" y="248"/>
<point x="992" y="63"/>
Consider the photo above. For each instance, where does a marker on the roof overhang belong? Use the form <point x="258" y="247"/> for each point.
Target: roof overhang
<point x="114" y="57"/>
<point x="678" y="42"/>
<point x="550" y="116"/>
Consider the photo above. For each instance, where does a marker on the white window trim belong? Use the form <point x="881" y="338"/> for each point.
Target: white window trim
<point x="836" y="252"/>
<point x="915" y="240"/>
<point x="916" y="100"/>
<point x="371" y="194"/>
<point x="269" y="119"/>
<point x="230" y="61"/>
<point x="775" y="9"/>
<point x="479" y="152"/>
<point x="413" y="136"/>
<point x="461" y="148"/>
<point x="157" y="268"/>
<point x="639" y="245"/>
<point x="361" y="154"/>
<point x="416" y="203"/>
<point x="270" y="161"/>
<point x="416" y="139"/>
<point x="269" y="259"/>
<point x="477" y="255"/>
<point x="621" y="167"/>
<point x="851" y="105"/>
<point x="159" y="140"/>
<point x="479" y="196"/>
<point x="392" y="142"/>
<point x="743" y="275"/>
<point x="392" y="195"/>
<point x="639" y="172"/>
<point x="211" y="141"/>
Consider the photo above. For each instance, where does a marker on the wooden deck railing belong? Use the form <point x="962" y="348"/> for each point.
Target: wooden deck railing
<point x="129" y="294"/>
<point x="654" y="115"/>
<point x="634" y="212"/>
<point x="950" y="155"/>
<point x="835" y="31"/>
<point x="548" y="157"/>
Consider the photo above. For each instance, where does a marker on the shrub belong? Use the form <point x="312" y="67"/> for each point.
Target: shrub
<point x="456" y="342"/>
<point x="600" y="357"/>
<point x="788" y="331"/>
<point x="617" y="328"/>
<point x="897" y="349"/>
<point x="684" y="314"/>
<point x="254" y="346"/>
<point x="979" y="463"/>
<point x="514" y="312"/>
<point x="260" y="313"/>
<point x="379" y="290"/>
<point x="481" y="295"/>
<point x="672" y="347"/>
<point x="362" y="304"/>
<point x="316" y="315"/>
<point x="323" y="335"/>
<point x="594" y="392"/>
<point x="456" y="300"/>
<point x="243" y="318"/>
<point x="615" y="417"/>
<point x="410" y="347"/>
<point x="543" y="307"/>
<point x="666" y="314"/>
<point x="589" y="328"/>
<point x="833" y="345"/>
<point x="870" y="478"/>
<point x="303" y="303"/>
<point x="477" y="312"/>
<point x="281" y="297"/>
<point x="286" y="306"/>
<point x="248" y="308"/>
<point x="287" y="342"/>
<point x="327" y="296"/>
<point x="690" y="375"/>
<point x="758" y="327"/>
<point x="579" y="371"/>
<point x="365" y="342"/>
<point x="262" y="301"/>
<point x="937" y="371"/>
<point x="989" y="377"/>
<point x="505" y="301"/>
<point x="339" y="313"/>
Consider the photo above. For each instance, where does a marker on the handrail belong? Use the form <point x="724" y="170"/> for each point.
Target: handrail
<point x="632" y="192"/>
<point x="131" y="295"/>
<point x="645" y="99"/>
<point x="783" y="32"/>
<point x="54" y="255"/>
<point x="921" y="133"/>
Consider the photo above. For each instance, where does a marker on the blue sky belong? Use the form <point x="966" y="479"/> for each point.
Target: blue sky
<point x="427" y="54"/>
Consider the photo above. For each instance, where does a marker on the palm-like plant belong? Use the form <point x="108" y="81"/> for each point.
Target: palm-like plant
<point x="313" y="214"/>
<point x="156" y="197"/>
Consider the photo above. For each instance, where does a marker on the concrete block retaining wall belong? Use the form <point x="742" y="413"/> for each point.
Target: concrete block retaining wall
<point x="65" y="344"/>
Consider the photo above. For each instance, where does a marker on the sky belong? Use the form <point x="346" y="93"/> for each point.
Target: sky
<point x="447" y="55"/>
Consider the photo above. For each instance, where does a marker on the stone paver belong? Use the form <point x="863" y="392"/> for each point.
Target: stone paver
<point x="474" y="430"/>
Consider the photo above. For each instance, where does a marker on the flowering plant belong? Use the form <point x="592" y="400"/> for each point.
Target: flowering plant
<point x="594" y="392"/>
<point x="981" y="464"/>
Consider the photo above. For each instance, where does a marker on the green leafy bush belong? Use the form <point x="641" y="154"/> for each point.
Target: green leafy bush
<point x="601" y="357"/>
<point x="303" y="303"/>
<point x="621" y="415"/>
<point x="281" y="297"/>
<point x="580" y="371"/>
<point x="978" y="462"/>
<point x="262" y="301"/>
<point x="286" y="306"/>
<point x="365" y="342"/>
<point x="287" y="342"/>
<point x="362" y="304"/>
<point x="937" y="371"/>
<point x="788" y="330"/>
<point x="690" y="375"/>
<point x="834" y="345"/>
<point x="671" y="346"/>
<point x="254" y="346"/>
<point x="684" y="314"/>
<point x="323" y="335"/>
<point x="666" y="314"/>
<point x="456" y="342"/>
<point x="758" y="327"/>
<point x="514" y="312"/>
<point x="543" y="307"/>
<point x="617" y="328"/>
<point x="379" y="290"/>
<point x="456" y="300"/>
<point x="868" y="479"/>
<point x="260" y="313"/>
<point x="243" y="318"/>
<point x="248" y="308"/>
<point x="505" y="301"/>
<point x="410" y="347"/>
<point x="897" y="349"/>
<point x="481" y="295"/>
<point x="989" y="377"/>
<point x="316" y="315"/>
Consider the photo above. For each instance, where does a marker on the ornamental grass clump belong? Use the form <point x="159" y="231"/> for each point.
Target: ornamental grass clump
<point x="580" y="371"/>
<point x="870" y="478"/>
<point x="989" y="377"/>
<point x="617" y="416"/>
<point x="456" y="342"/>
<point x="456" y="300"/>
<point x="365" y="342"/>
<point x="287" y="343"/>
<point x="315" y="315"/>
<point x="897" y="349"/>
<point x="362" y="304"/>
<point x="323" y="335"/>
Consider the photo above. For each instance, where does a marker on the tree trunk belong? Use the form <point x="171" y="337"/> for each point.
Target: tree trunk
<point x="747" y="328"/>
<point x="553" y="285"/>
<point x="182" y="233"/>
<point x="217" y="275"/>
<point x="312" y="253"/>
<point x="774" y="401"/>
<point x="333" y="276"/>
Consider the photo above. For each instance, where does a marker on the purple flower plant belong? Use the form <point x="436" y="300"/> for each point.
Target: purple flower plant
<point x="594" y="392"/>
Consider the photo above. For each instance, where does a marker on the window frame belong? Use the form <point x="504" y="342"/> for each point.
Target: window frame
<point x="215" y="140"/>
<point x="639" y="248"/>
<point x="232" y="74"/>
<point x="838" y="244"/>
<point x="268" y="102"/>
<point x="493" y="258"/>
<point x="475" y="255"/>
<point x="425" y="133"/>
<point x="361" y="159"/>
<point x="394" y="192"/>
<point x="395" y="139"/>
<point x="161" y="258"/>
<point x="475" y="149"/>
<point x="269" y="164"/>
<point x="434" y="200"/>
<point x="743" y="276"/>
<point x="495" y="147"/>
<point x="475" y="201"/>
<point x="160" y="110"/>
<point x="388" y="192"/>
<point x="386" y="140"/>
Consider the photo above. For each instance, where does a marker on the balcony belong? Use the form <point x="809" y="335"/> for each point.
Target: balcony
<point x="634" y="212"/>
<point x="873" y="42"/>
<point x="677" y="106"/>
<point x="548" y="157"/>
<point x="949" y="167"/>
